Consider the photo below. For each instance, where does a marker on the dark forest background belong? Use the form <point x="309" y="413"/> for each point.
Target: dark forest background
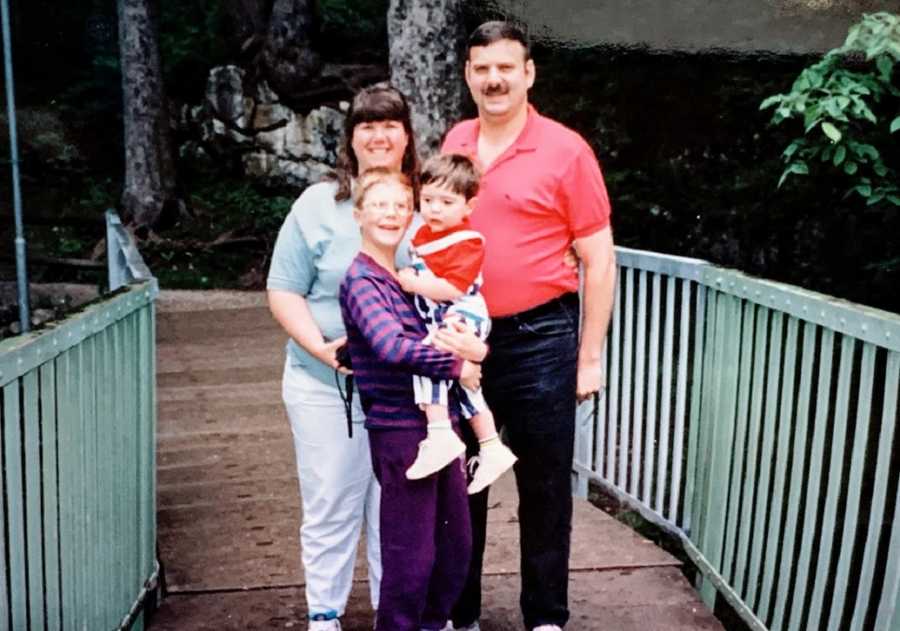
<point x="691" y="162"/>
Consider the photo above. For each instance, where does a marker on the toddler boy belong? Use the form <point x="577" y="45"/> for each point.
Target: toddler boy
<point x="446" y="279"/>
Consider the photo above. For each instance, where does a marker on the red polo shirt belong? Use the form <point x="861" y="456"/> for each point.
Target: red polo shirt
<point x="539" y="195"/>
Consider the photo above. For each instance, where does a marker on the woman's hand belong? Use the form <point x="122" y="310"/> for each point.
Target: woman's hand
<point x="327" y="354"/>
<point x="457" y="338"/>
<point x="470" y="375"/>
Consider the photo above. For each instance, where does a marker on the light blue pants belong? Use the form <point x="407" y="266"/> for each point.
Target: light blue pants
<point x="338" y="490"/>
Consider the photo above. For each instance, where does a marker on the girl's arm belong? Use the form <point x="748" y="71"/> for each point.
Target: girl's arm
<point x="369" y="309"/>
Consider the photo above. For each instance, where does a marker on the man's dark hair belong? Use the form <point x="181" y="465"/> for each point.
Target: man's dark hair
<point x="494" y="31"/>
<point x="453" y="171"/>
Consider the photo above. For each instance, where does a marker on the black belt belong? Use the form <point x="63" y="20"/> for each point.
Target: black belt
<point x="564" y="302"/>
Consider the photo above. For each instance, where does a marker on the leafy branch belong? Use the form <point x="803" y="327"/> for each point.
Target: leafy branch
<point x="850" y="108"/>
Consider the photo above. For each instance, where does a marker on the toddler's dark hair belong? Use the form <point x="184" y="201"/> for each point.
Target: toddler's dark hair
<point x="453" y="171"/>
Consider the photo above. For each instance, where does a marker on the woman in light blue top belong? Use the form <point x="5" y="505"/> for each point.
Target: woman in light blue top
<point x="315" y="246"/>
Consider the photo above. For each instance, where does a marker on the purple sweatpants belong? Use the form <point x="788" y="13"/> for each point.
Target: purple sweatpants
<point x="426" y="535"/>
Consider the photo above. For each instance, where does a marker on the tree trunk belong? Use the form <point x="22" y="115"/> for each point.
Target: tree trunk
<point x="149" y="161"/>
<point x="288" y="61"/>
<point x="426" y="39"/>
<point x="247" y="19"/>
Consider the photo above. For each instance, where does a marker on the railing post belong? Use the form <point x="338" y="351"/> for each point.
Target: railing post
<point x="115" y="263"/>
<point x="717" y="424"/>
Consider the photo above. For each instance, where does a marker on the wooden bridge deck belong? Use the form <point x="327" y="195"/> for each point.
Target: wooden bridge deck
<point x="229" y="510"/>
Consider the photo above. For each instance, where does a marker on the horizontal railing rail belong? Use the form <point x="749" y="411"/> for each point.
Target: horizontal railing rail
<point x="756" y="422"/>
<point x="77" y="482"/>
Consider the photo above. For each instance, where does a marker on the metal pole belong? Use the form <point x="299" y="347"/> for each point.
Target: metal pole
<point x="21" y="270"/>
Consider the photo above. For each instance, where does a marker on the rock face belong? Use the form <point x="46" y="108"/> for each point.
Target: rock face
<point x="427" y="65"/>
<point x="273" y="143"/>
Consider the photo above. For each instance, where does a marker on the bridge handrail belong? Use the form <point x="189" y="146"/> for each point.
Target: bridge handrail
<point x="77" y="485"/>
<point x="742" y="411"/>
<point x="123" y="259"/>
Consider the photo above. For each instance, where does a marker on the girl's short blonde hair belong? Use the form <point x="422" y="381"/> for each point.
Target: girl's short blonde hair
<point x="377" y="175"/>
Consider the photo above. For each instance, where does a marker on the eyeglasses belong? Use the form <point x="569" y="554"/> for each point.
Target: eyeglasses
<point x="382" y="207"/>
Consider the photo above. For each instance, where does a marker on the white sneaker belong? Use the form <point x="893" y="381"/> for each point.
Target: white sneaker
<point x="325" y="625"/>
<point x="547" y="627"/>
<point x="493" y="461"/>
<point x="436" y="452"/>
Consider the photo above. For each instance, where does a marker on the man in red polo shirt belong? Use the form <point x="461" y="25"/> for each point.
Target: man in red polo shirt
<point x="541" y="192"/>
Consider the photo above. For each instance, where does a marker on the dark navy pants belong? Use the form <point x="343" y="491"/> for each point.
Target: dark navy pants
<point x="529" y="381"/>
<point x="426" y="535"/>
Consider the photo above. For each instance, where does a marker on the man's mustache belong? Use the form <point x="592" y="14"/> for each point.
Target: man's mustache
<point x="495" y="90"/>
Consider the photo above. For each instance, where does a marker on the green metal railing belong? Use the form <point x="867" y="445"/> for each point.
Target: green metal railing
<point x="756" y="422"/>
<point x="78" y="405"/>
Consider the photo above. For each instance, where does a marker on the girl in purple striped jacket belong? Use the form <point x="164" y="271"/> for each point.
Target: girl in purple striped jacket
<point x="425" y="531"/>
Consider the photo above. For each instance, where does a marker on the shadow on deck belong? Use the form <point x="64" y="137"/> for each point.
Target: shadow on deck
<point x="229" y="511"/>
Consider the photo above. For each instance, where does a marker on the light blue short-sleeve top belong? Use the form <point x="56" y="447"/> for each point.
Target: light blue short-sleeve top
<point x="314" y="249"/>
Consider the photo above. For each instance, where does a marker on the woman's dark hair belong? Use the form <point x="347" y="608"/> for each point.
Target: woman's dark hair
<point x="379" y="102"/>
<point x="495" y="31"/>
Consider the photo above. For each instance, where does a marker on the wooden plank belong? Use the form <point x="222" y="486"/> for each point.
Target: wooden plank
<point x="767" y="457"/>
<point x="852" y="506"/>
<point x="105" y="389"/>
<point x="740" y="440"/>
<point x="693" y="426"/>
<point x="49" y="438"/>
<point x="91" y="505"/>
<point x="722" y="407"/>
<point x="627" y="362"/>
<point x="754" y="431"/>
<point x="879" y="506"/>
<point x="652" y="388"/>
<point x="803" y="581"/>
<point x="15" y="506"/>
<point x="792" y="519"/>
<point x="628" y="600"/>
<point x="68" y="458"/>
<point x="5" y="590"/>
<point x="665" y="415"/>
<point x="640" y="359"/>
<point x="818" y="605"/>
<point x="680" y="403"/>
<point x="704" y="430"/>
<point x="785" y="422"/>
<point x="131" y="389"/>
<point x="33" y="517"/>
<point x="614" y="385"/>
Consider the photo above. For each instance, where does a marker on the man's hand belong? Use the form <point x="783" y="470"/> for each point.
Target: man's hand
<point x="457" y="338"/>
<point x="407" y="278"/>
<point x="470" y="376"/>
<point x="570" y="258"/>
<point x="591" y="379"/>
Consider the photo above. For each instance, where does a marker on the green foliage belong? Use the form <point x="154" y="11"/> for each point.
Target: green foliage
<point x="848" y="104"/>
<point x="353" y="29"/>
<point x="238" y="204"/>
<point x="191" y="41"/>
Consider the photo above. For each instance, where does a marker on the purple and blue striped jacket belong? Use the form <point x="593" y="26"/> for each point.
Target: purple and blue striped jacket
<point x="384" y="335"/>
